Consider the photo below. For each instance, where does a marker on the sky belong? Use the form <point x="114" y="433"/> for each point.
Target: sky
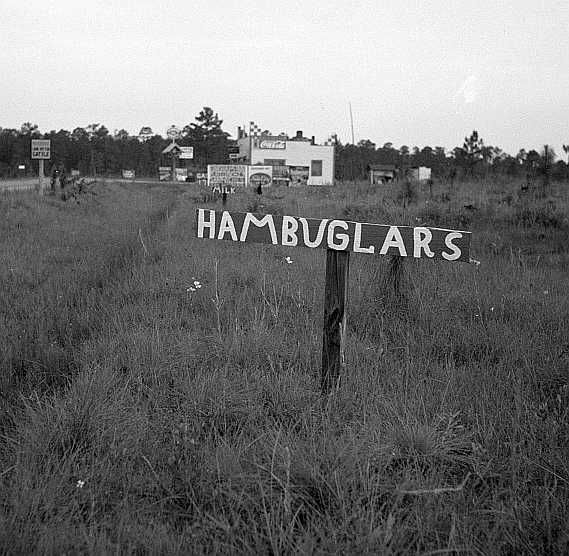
<point x="418" y="72"/>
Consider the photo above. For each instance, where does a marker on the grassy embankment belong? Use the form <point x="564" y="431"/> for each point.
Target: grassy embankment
<point x="137" y="414"/>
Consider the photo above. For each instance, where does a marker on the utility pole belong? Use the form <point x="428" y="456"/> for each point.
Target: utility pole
<point x="352" y="124"/>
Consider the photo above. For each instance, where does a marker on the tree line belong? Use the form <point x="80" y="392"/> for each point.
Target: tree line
<point x="473" y="159"/>
<point x="94" y="150"/>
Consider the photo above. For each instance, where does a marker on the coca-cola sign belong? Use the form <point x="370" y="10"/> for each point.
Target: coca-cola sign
<point x="272" y="144"/>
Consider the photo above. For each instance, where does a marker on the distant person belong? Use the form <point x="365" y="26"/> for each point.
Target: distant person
<point x="259" y="190"/>
<point x="62" y="179"/>
<point x="54" y="178"/>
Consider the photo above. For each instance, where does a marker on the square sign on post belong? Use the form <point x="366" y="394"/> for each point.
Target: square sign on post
<point x="41" y="149"/>
<point x="186" y="153"/>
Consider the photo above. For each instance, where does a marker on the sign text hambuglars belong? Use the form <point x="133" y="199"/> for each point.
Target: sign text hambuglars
<point x="336" y="234"/>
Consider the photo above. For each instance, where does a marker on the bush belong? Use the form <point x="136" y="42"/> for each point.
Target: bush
<point x="547" y="216"/>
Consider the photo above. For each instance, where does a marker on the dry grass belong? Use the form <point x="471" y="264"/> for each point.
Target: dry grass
<point x="137" y="415"/>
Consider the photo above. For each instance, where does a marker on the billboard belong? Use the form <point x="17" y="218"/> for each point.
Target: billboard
<point x="238" y="175"/>
<point x="260" y="176"/>
<point x="229" y="175"/>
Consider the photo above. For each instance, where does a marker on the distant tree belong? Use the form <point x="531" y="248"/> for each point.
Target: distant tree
<point x="366" y="144"/>
<point x="207" y="137"/>
<point x="472" y="151"/>
<point x="30" y="129"/>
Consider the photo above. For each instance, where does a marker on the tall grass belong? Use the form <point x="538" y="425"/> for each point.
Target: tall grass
<point x="141" y="413"/>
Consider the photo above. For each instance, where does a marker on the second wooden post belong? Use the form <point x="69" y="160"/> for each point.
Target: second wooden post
<point x="335" y="312"/>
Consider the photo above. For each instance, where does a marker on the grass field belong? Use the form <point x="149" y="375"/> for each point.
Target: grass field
<point x="160" y="393"/>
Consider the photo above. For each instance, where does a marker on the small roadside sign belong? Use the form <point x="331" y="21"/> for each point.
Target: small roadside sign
<point x="186" y="152"/>
<point x="339" y="238"/>
<point x="41" y="149"/>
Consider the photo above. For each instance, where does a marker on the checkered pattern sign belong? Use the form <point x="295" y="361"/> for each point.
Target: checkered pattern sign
<point x="254" y="129"/>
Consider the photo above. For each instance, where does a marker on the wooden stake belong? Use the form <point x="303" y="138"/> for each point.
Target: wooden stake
<point x="40" y="176"/>
<point x="335" y="306"/>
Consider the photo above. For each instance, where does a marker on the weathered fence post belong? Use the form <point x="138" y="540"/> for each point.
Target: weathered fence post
<point x="335" y="313"/>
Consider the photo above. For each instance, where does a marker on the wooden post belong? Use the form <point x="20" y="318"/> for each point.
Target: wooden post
<point x="40" y="176"/>
<point x="173" y="167"/>
<point x="335" y="306"/>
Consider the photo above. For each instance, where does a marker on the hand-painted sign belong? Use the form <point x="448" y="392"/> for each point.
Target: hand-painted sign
<point x="128" y="174"/>
<point x="335" y="234"/>
<point x="41" y="148"/>
<point x="272" y="144"/>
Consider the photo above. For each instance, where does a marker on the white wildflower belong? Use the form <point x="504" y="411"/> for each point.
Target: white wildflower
<point x="80" y="484"/>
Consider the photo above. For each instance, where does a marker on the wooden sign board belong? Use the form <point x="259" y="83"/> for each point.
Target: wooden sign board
<point x="335" y="234"/>
<point x="339" y="238"/>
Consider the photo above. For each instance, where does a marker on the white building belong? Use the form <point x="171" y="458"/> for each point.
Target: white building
<point x="297" y="161"/>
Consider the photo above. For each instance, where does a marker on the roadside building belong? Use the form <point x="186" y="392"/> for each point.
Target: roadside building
<point x="381" y="173"/>
<point x="419" y="173"/>
<point x="296" y="161"/>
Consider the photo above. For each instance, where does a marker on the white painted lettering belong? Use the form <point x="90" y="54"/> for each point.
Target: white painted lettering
<point x="358" y="241"/>
<point x="393" y="239"/>
<point x="421" y="239"/>
<point x="344" y="238"/>
<point x="267" y="219"/>
<point x="203" y="224"/>
<point x="289" y="228"/>
<point x="456" y="252"/>
<point x="319" y="235"/>
<point x="227" y="225"/>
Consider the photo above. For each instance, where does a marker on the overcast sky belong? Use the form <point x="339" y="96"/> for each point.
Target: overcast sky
<point x="418" y="72"/>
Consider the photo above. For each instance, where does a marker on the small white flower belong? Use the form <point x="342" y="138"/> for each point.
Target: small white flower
<point x="288" y="260"/>
<point x="545" y="292"/>
<point x="492" y="309"/>
<point x="80" y="484"/>
<point x="190" y="289"/>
